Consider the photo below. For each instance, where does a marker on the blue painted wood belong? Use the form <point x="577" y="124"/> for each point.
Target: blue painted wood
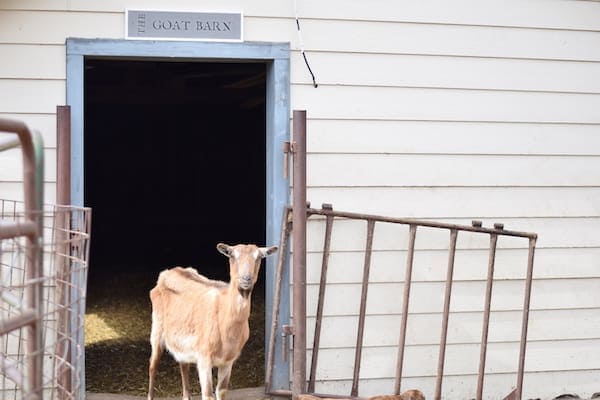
<point x="278" y="105"/>
<point x="277" y="58"/>
<point x="167" y="49"/>
<point x="75" y="100"/>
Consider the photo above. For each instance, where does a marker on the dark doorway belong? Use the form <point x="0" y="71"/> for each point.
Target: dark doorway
<point x="174" y="163"/>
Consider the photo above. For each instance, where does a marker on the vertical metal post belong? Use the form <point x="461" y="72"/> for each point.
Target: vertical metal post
<point x="33" y="186"/>
<point x="285" y="231"/>
<point x="320" y="303"/>
<point x="63" y="156"/>
<point x="84" y="224"/>
<point x="63" y="197"/>
<point x="447" y="296"/>
<point x="523" y="346"/>
<point x="405" y="303"/>
<point x="363" y="307"/>
<point x="486" y="314"/>
<point x="299" y="257"/>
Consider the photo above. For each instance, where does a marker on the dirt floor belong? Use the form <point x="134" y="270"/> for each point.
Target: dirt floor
<point x="117" y="344"/>
<point x="236" y="394"/>
<point x="117" y="340"/>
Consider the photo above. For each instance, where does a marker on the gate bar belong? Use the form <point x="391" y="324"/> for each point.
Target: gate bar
<point x="498" y="230"/>
<point x="299" y="213"/>
<point x="486" y="315"/>
<point x="405" y="302"/>
<point x="320" y="303"/>
<point x="283" y="240"/>
<point x="32" y="151"/>
<point x="528" y="281"/>
<point x="363" y="307"/>
<point x="447" y="295"/>
<point x="454" y="228"/>
<point x="424" y="223"/>
<point x="63" y="197"/>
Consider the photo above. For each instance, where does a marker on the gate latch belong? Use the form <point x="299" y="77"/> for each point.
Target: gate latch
<point x="288" y="148"/>
<point x="286" y="330"/>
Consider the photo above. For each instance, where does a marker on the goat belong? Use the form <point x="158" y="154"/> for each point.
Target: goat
<point x="408" y="395"/>
<point x="203" y="321"/>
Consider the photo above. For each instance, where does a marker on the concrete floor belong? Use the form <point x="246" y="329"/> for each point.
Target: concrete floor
<point x="257" y="393"/>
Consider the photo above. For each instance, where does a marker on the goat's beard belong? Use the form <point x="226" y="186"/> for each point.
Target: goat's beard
<point x="245" y="292"/>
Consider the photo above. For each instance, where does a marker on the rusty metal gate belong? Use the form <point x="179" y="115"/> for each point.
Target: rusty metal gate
<point x="44" y="252"/>
<point x="295" y="224"/>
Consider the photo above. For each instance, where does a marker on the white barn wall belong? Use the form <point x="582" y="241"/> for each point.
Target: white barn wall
<point x="481" y="110"/>
<point x="449" y="121"/>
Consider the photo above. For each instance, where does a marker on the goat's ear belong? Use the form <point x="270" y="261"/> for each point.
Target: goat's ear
<point x="265" y="251"/>
<point x="224" y="249"/>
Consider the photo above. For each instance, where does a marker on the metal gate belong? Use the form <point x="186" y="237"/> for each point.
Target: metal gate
<point x="44" y="251"/>
<point x="295" y="224"/>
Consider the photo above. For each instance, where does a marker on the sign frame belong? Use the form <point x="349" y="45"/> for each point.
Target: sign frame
<point x="192" y="16"/>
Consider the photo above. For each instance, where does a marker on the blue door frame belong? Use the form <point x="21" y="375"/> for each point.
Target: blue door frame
<point x="277" y="58"/>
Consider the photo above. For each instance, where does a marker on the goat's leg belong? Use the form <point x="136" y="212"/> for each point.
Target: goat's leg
<point x="223" y="381"/>
<point x="157" y="351"/>
<point x="185" y="380"/>
<point x="205" y="377"/>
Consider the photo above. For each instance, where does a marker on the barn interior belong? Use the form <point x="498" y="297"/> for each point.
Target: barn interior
<point x="174" y="163"/>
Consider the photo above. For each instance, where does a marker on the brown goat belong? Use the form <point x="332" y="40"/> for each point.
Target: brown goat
<point x="408" y="395"/>
<point x="202" y="321"/>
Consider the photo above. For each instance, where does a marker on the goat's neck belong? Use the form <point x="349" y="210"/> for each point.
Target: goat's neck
<point x="238" y="305"/>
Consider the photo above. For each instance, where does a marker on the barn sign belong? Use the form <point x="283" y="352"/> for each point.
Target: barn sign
<point x="180" y="25"/>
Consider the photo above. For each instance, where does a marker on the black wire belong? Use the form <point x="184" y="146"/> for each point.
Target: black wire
<point x="306" y="59"/>
<point x="309" y="70"/>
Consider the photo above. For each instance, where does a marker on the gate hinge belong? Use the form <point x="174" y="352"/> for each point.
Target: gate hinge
<point x="286" y="330"/>
<point x="288" y="147"/>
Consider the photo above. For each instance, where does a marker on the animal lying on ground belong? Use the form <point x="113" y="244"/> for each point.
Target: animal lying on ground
<point x="202" y="321"/>
<point x="408" y="395"/>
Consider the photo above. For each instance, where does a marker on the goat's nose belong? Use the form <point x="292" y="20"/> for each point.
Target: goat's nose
<point x="245" y="281"/>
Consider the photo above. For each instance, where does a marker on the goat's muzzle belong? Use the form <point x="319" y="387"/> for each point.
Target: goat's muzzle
<point x="245" y="285"/>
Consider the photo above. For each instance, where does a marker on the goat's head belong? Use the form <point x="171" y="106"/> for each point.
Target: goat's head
<point x="244" y="264"/>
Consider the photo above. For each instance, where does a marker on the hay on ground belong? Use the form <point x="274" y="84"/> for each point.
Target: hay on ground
<point x="117" y="331"/>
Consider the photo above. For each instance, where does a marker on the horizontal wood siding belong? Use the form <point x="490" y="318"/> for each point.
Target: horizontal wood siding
<point x="11" y="165"/>
<point x="451" y="170"/>
<point x="468" y="137"/>
<point x="389" y="265"/>
<point x="32" y="61"/>
<point x="471" y="116"/>
<point x="433" y="71"/>
<point x="465" y="327"/>
<point x="576" y="15"/>
<point x="467" y="296"/>
<point x="479" y="110"/>
<point x="425" y="104"/>
<point x="462" y="359"/>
